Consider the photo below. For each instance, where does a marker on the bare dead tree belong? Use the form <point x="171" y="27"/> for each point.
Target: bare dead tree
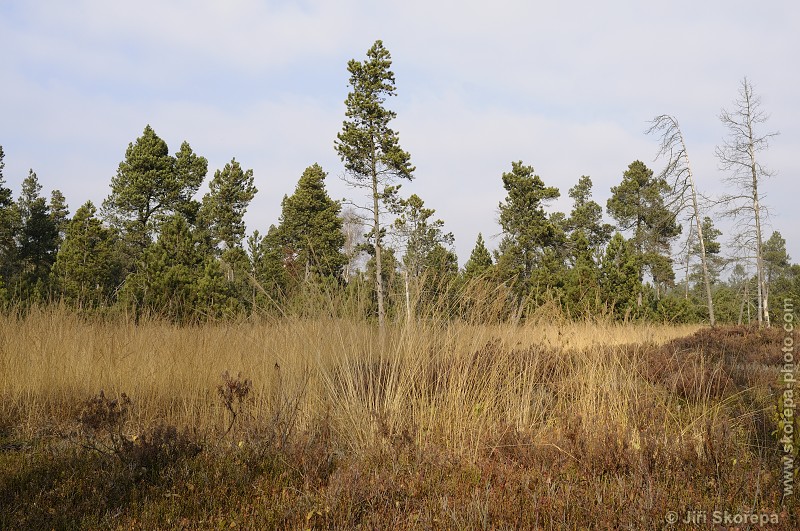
<point x="678" y="172"/>
<point x="737" y="157"/>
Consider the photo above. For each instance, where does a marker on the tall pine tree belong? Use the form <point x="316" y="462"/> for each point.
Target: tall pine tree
<point x="370" y="149"/>
<point x="59" y="212"/>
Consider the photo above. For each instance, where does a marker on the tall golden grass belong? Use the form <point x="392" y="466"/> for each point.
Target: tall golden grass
<point x="450" y="384"/>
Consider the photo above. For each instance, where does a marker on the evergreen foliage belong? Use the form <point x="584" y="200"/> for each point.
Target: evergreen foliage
<point x="157" y="250"/>
<point x="638" y="204"/>
<point x="224" y="206"/>
<point x="527" y="256"/>
<point x="714" y="260"/>
<point x="587" y="215"/>
<point x="310" y="229"/>
<point x="37" y="243"/>
<point x="87" y="269"/>
<point x="166" y="283"/>
<point x="420" y="235"/>
<point x="480" y="260"/>
<point x="269" y="274"/>
<point x="151" y="185"/>
<point x="582" y="283"/>
<point x="619" y="277"/>
<point x="9" y="226"/>
<point x="59" y="212"/>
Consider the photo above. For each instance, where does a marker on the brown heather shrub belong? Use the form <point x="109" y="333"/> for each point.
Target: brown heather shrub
<point x="735" y="344"/>
<point x="161" y="446"/>
<point x="102" y="421"/>
<point x="234" y="392"/>
<point x="690" y="373"/>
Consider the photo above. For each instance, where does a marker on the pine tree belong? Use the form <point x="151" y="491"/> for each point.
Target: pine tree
<point x="619" y="276"/>
<point x="267" y="261"/>
<point x="480" y="260"/>
<point x="224" y="206"/>
<point x="441" y="271"/>
<point x="776" y="260"/>
<point x="420" y="235"/>
<point x="782" y="278"/>
<point x="428" y="263"/>
<point x="223" y="286"/>
<point x="712" y="249"/>
<point x="150" y="185"/>
<point x="587" y="215"/>
<point x="310" y="229"/>
<point x="37" y="240"/>
<point x="638" y="205"/>
<point x="59" y="212"/>
<point x="582" y="283"/>
<point x="370" y="149"/>
<point x="166" y="282"/>
<point x="190" y="170"/>
<point x="531" y="237"/>
<point x="86" y="270"/>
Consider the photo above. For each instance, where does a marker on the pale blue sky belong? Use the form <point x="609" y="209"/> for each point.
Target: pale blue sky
<point x="567" y="87"/>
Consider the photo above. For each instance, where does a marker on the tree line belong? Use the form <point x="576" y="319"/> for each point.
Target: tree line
<point x="154" y="247"/>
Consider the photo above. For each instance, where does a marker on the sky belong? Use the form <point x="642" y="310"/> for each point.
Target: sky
<point x="566" y="87"/>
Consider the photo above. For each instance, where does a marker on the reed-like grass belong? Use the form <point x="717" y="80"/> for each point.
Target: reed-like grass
<point x="448" y="380"/>
<point x="427" y="424"/>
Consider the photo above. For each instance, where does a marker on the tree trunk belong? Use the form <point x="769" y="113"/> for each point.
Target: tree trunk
<point x="763" y="314"/>
<point x="688" y="255"/>
<point x="377" y="235"/>
<point x="672" y="136"/>
<point x="699" y="223"/>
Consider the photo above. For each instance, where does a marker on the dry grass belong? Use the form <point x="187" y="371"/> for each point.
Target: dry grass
<point x="433" y="375"/>
<point x="356" y="423"/>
